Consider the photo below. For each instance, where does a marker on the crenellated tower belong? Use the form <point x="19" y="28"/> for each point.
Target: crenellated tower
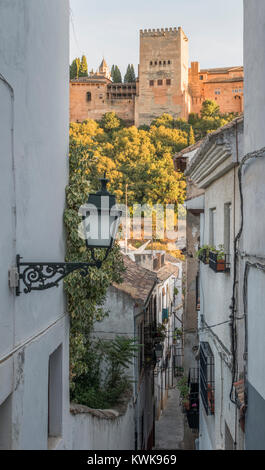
<point x="163" y="75"/>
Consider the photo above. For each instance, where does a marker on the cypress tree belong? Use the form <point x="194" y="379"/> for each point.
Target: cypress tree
<point x="112" y="72"/>
<point x="133" y="78"/>
<point x="83" y="67"/>
<point x="191" y="136"/>
<point x="116" y="74"/>
<point x="127" y="76"/>
<point x="74" y="69"/>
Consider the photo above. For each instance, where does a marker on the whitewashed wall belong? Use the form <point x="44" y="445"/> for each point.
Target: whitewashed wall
<point x="254" y="226"/>
<point x="95" y="431"/>
<point x="34" y="59"/>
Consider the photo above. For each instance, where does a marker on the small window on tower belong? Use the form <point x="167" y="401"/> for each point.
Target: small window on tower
<point x="151" y="63"/>
<point x="160" y="82"/>
<point x="160" y="62"/>
<point x="151" y="82"/>
<point x="169" y="62"/>
<point x="88" y="96"/>
<point x="168" y="81"/>
<point x="201" y="77"/>
<point x="164" y="63"/>
<point x="155" y="62"/>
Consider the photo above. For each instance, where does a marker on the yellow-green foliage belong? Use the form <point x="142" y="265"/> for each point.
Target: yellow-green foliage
<point x="140" y="158"/>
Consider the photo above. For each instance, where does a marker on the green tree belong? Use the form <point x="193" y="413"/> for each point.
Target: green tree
<point x="83" y="67"/>
<point x="129" y="77"/>
<point x="116" y="74"/>
<point x="112" y="72"/>
<point x="110" y="121"/>
<point x="210" y="109"/>
<point x="142" y="158"/>
<point x="209" y="120"/>
<point x="86" y="295"/>
<point x="191" y="136"/>
<point x="75" y="69"/>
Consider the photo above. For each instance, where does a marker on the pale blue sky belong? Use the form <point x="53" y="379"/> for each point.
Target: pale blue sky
<point x="111" y="27"/>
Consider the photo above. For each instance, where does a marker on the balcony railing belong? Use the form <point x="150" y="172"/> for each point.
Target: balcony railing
<point x="198" y="303"/>
<point x="207" y="377"/>
<point x="192" y="412"/>
<point x="203" y="256"/>
<point x="219" y="265"/>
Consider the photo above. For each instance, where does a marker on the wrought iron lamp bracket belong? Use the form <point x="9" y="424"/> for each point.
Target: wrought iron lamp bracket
<point x="39" y="276"/>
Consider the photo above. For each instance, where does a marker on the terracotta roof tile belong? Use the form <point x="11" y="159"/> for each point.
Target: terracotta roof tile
<point x="138" y="282"/>
<point x="166" y="271"/>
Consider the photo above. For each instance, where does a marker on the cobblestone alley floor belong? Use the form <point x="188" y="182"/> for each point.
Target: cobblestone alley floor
<point x="172" y="432"/>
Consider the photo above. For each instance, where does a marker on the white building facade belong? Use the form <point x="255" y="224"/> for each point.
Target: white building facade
<point x="34" y="65"/>
<point x="252" y="240"/>
<point x="214" y="168"/>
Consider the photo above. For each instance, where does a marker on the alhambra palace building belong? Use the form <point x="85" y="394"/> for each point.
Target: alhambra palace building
<point x="165" y="84"/>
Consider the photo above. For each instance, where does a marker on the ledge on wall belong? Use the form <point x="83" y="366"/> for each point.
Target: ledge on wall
<point x="117" y="411"/>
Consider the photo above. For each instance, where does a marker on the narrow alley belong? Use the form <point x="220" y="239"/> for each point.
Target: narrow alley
<point x="172" y="432"/>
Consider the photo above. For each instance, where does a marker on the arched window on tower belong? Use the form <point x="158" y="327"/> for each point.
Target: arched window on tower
<point x="88" y="96"/>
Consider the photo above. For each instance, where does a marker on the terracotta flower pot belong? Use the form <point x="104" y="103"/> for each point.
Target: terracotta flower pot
<point x="186" y="404"/>
<point x="220" y="265"/>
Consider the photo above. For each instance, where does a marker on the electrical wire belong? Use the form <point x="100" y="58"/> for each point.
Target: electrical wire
<point x="188" y="330"/>
<point x="252" y="155"/>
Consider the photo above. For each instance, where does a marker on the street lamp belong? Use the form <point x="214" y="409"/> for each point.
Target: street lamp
<point x="100" y="218"/>
<point x="100" y="226"/>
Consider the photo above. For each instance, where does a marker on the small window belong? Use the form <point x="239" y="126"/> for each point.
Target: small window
<point x="88" y="96"/>
<point x="168" y="81"/>
<point x="155" y="62"/>
<point x="201" y="77"/>
<point x="212" y="228"/>
<point x="164" y="62"/>
<point x="151" y="82"/>
<point x="55" y="393"/>
<point x="160" y="82"/>
<point x="151" y="63"/>
<point x="160" y="62"/>
<point x="169" y="62"/>
<point x="227" y="227"/>
<point x="207" y="379"/>
<point x="6" y="424"/>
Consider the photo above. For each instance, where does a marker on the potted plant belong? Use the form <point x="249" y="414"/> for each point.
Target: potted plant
<point x="177" y="335"/>
<point x="203" y="253"/>
<point x="160" y="333"/>
<point x="184" y="393"/>
<point x="219" y="260"/>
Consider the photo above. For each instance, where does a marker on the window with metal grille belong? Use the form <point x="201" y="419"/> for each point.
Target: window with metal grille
<point x="198" y="303"/>
<point x="207" y="377"/>
<point x="160" y="82"/>
<point x="168" y="81"/>
<point x="151" y="82"/>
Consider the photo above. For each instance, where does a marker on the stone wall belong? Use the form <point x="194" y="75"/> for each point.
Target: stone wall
<point x="163" y="75"/>
<point x="97" y="103"/>
<point x="225" y="86"/>
<point x="102" y="429"/>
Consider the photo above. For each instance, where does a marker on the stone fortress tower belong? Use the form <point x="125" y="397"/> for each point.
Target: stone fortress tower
<point x="165" y="84"/>
<point x="163" y="75"/>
